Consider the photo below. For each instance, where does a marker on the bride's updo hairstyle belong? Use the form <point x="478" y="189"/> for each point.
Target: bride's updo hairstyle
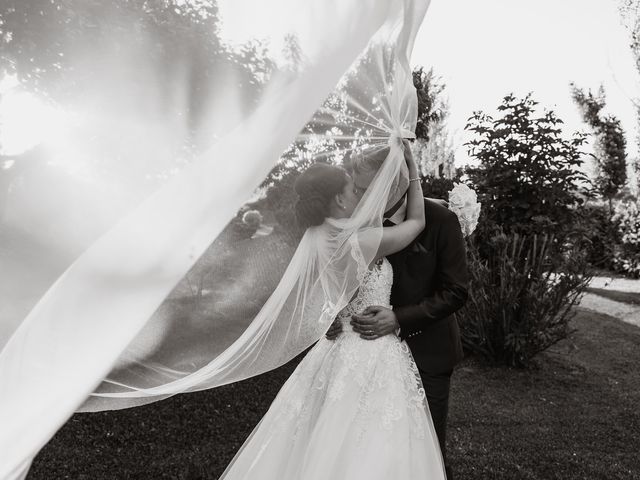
<point x="316" y="187"/>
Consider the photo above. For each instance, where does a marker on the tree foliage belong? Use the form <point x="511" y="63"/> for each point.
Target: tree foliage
<point x="138" y="65"/>
<point x="433" y="148"/>
<point x="630" y="11"/>
<point x="527" y="178"/>
<point x="610" y="142"/>
<point x="64" y="48"/>
<point x="440" y="186"/>
<point x="429" y="90"/>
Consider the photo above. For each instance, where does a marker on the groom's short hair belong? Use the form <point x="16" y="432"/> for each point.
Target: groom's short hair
<point x="368" y="159"/>
<point x="366" y="163"/>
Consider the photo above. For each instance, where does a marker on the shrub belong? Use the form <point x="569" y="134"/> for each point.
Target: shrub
<point x="627" y="251"/>
<point x="439" y="187"/>
<point x="528" y="260"/>
<point x="602" y="235"/>
<point x="528" y="178"/>
<point x="520" y="296"/>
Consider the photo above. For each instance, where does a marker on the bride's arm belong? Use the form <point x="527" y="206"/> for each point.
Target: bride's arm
<point x="399" y="236"/>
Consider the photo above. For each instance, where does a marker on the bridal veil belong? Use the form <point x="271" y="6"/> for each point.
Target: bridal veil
<point x="93" y="330"/>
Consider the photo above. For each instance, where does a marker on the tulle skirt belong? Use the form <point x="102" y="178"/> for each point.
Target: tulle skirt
<point x="353" y="409"/>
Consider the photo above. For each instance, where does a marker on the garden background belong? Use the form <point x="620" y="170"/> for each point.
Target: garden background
<point x="549" y="387"/>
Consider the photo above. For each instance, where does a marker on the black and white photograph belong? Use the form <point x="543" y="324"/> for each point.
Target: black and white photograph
<point x="319" y="239"/>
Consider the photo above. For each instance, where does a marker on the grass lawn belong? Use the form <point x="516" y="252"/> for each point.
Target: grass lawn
<point x="576" y="415"/>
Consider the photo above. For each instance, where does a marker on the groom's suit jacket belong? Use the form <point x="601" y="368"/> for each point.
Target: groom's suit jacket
<point x="430" y="281"/>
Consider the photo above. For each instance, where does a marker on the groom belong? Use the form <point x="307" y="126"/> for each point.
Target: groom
<point x="429" y="285"/>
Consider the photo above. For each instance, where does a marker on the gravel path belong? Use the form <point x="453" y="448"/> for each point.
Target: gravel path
<point x="618" y="284"/>
<point x="624" y="311"/>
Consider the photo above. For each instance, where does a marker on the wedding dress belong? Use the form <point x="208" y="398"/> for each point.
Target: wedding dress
<point x="128" y="225"/>
<point x="353" y="409"/>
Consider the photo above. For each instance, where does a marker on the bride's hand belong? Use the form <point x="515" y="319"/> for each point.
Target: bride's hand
<point x="334" y="330"/>
<point x="408" y="158"/>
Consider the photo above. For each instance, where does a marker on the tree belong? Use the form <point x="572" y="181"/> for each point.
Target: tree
<point x="64" y="49"/>
<point x="528" y="178"/>
<point x="630" y="12"/>
<point x="610" y="143"/>
<point x="292" y="53"/>
<point x="430" y="104"/>
<point x="433" y="148"/>
<point x="129" y="68"/>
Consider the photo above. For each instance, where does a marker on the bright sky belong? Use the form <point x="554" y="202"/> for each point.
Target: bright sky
<point x="484" y="50"/>
<point x="487" y="49"/>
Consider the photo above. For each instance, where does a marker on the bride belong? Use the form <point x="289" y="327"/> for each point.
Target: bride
<point x="353" y="408"/>
<point x="98" y="340"/>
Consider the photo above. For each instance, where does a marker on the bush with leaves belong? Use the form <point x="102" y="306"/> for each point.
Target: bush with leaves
<point x="439" y="187"/>
<point x="527" y="260"/>
<point x="627" y="250"/>
<point x="520" y="297"/>
<point x="602" y="235"/>
<point x="528" y="178"/>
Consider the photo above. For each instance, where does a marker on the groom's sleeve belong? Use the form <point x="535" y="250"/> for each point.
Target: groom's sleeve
<point x="451" y="274"/>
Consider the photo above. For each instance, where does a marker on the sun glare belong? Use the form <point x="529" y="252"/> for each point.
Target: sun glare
<point x="25" y="122"/>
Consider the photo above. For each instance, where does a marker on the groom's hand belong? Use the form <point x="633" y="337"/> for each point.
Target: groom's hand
<point x="375" y="322"/>
<point x="334" y="330"/>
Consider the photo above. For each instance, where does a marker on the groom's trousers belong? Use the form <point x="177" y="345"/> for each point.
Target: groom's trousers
<point x="437" y="390"/>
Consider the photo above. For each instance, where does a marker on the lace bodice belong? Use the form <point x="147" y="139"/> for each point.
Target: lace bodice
<point x="375" y="289"/>
<point x="375" y="380"/>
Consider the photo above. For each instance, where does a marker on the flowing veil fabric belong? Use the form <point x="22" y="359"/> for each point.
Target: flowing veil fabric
<point x="97" y="339"/>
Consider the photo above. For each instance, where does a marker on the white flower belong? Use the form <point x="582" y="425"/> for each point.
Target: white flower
<point x="463" y="201"/>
